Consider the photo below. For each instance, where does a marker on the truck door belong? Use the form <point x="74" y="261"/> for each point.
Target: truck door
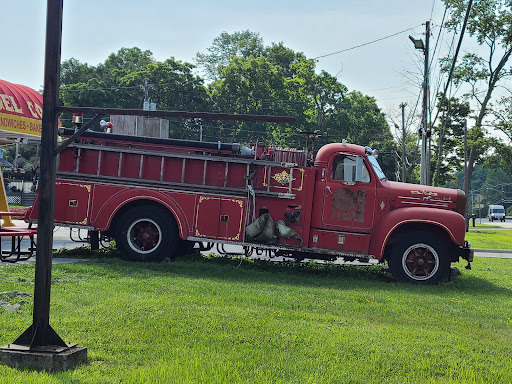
<point x="349" y="194"/>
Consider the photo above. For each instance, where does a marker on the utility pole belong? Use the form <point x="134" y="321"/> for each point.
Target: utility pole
<point x="418" y="44"/>
<point x="424" y="164"/>
<point x="404" y="137"/>
<point x="200" y="123"/>
<point x="39" y="346"/>
<point x="147" y="105"/>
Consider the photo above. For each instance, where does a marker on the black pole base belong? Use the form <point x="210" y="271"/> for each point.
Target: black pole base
<point x="38" y="337"/>
<point x="61" y="359"/>
<point x="40" y="348"/>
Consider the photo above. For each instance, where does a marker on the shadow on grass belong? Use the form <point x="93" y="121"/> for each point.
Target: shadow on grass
<point x="232" y="268"/>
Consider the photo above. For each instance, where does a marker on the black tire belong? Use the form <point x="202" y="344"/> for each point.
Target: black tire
<point x="147" y="233"/>
<point x="420" y="258"/>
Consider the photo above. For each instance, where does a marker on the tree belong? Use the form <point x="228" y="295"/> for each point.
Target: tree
<point x="450" y="144"/>
<point x="251" y="86"/>
<point x="117" y="83"/>
<point x="285" y="58"/>
<point x="173" y="87"/>
<point x="26" y="155"/>
<point x="321" y="91"/>
<point x="284" y="82"/>
<point x="125" y="61"/>
<point x="243" y="44"/>
<point x="502" y="156"/>
<point x="73" y="71"/>
<point x="490" y="22"/>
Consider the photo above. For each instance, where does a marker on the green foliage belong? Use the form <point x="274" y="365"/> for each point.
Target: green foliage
<point x="225" y="47"/>
<point x="493" y="185"/>
<point x="84" y="252"/>
<point x="249" y="79"/>
<point x="117" y="83"/>
<point x="489" y="23"/>
<point x="26" y="156"/>
<point x="253" y="86"/>
<point x="449" y="149"/>
<point x="502" y="157"/>
<point x="282" y="82"/>
<point x="73" y="71"/>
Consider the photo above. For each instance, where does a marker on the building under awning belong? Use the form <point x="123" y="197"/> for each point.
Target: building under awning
<point x="21" y="110"/>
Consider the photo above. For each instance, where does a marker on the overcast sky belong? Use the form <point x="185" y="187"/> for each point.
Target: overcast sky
<point x="387" y="70"/>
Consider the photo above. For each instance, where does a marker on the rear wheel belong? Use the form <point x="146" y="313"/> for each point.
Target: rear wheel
<point x="420" y="258"/>
<point x="147" y="233"/>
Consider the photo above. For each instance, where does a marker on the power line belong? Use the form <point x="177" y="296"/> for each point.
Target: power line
<point x="438" y="36"/>
<point x="456" y="54"/>
<point x="364" y="44"/>
<point x="432" y="10"/>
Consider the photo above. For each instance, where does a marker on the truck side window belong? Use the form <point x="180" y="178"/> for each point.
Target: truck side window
<point x="349" y="168"/>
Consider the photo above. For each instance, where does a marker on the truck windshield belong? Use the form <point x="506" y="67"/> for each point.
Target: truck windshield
<point x="376" y="167"/>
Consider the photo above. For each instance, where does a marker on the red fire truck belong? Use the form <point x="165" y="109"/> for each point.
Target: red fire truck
<point x="156" y="197"/>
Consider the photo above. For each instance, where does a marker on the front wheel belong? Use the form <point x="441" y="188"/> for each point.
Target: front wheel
<point x="147" y="233"/>
<point x="420" y="258"/>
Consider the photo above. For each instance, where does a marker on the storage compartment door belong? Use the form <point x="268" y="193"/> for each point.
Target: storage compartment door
<point x="72" y="203"/>
<point x="207" y="216"/>
<point x="231" y="219"/>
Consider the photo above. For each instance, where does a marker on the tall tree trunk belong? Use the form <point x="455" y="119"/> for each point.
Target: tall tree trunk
<point x="494" y="78"/>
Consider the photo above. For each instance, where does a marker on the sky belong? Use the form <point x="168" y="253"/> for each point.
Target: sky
<point x="389" y="70"/>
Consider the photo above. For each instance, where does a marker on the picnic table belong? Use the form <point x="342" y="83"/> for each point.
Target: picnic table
<point x="16" y="234"/>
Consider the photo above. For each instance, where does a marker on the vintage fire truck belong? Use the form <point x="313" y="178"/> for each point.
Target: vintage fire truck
<point x="156" y="197"/>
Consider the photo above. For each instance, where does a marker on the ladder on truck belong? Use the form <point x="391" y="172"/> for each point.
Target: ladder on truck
<point x="207" y="160"/>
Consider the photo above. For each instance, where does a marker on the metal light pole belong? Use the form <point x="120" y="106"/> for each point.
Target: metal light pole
<point x="418" y="44"/>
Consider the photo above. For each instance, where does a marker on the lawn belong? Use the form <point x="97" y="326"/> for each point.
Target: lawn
<point x="202" y="320"/>
<point x="477" y="225"/>
<point x="490" y="239"/>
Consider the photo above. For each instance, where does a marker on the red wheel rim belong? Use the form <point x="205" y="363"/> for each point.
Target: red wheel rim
<point x="144" y="235"/>
<point x="420" y="262"/>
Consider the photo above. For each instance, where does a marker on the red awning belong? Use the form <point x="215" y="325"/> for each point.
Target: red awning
<point x="21" y="109"/>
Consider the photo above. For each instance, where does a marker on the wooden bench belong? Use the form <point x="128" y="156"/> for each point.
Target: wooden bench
<point x="17" y="234"/>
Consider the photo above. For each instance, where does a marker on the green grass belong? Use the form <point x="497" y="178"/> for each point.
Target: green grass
<point x="225" y="321"/>
<point x="490" y="239"/>
<point x="478" y="225"/>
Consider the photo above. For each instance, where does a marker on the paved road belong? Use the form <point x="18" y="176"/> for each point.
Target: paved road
<point x="507" y="224"/>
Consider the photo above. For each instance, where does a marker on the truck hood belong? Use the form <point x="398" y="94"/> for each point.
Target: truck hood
<point x="403" y="195"/>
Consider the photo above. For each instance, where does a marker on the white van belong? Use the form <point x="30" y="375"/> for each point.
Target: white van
<point x="496" y="212"/>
